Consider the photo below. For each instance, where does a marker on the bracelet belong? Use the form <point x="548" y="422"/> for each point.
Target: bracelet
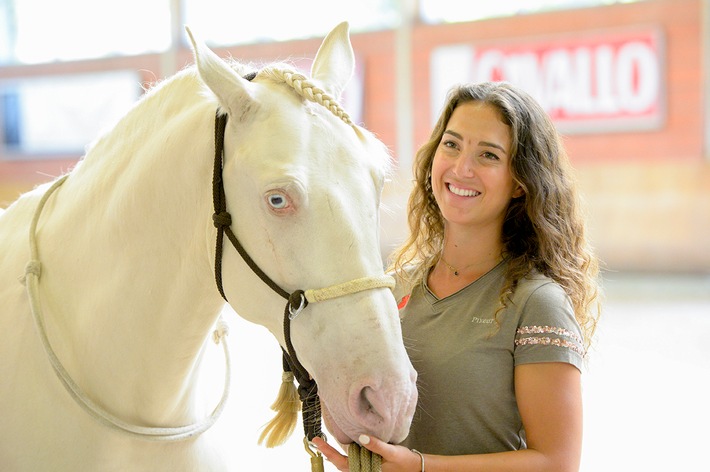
<point x="421" y="456"/>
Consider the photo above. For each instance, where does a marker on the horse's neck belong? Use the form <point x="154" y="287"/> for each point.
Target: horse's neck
<point x="127" y="269"/>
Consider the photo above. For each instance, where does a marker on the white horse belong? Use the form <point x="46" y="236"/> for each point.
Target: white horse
<point x="123" y="270"/>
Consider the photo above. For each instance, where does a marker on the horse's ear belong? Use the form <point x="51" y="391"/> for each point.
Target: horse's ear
<point x="232" y="91"/>
<point x="335" y="62"/>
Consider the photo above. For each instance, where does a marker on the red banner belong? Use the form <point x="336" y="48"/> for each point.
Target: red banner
<point x="606" y="81"/>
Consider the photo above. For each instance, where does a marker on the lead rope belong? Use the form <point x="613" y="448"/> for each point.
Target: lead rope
<point x="279" y="428"/>
<point x="361" y="459"/>
<point x="31" y="281"/>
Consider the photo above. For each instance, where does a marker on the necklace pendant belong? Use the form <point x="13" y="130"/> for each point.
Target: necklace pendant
<point x="456" y="273"/>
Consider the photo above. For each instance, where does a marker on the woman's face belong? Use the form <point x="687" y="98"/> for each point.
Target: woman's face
<point x="470" y="173"/>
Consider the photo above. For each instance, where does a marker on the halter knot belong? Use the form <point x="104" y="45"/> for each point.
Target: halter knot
<point x="33" y="267"/>
<point x="222" y="219"/>
<point x="221" y="330"/>
<point x="287" y="377"/>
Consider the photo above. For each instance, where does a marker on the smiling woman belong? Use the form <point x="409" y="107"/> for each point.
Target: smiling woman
<point x="498" y="331"/>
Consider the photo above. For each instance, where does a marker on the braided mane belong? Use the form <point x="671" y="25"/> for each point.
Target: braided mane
<point x="307" y="89"/>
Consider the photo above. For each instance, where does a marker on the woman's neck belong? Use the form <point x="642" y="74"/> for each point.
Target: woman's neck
<point x="464" y="258"/>
<point x="464" y="246"/>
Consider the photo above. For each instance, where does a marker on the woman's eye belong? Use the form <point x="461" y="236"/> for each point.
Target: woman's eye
<point x="277" y="201"/>
<point x="490" y="155"/>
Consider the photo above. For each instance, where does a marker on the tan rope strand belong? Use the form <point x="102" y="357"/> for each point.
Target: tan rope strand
<point x="179" y="433"/>
<point x="360" y="459"/>
<point x="353" y="286"/>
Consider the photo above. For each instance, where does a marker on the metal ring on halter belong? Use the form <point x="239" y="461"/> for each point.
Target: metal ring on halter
<point x="293" y="313"/>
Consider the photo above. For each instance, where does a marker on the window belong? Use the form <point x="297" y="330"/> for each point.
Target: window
<point x="37" y="31"/>
<point x="52" y="115"/>
<point x="49" y="115"/>
<point x="225" y="22"/>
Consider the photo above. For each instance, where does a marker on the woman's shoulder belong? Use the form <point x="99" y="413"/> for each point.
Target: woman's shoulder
<point x="540" y="289"/>
<point x="540" y="300"/>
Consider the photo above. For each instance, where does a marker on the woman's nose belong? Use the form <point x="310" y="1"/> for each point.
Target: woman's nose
<point x="465" y="166"/>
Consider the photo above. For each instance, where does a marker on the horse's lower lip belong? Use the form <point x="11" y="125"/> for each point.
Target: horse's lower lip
<point x="333" y="427"/>
<point x="340" y="435"/>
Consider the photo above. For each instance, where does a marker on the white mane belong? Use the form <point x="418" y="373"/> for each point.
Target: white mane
<point x="306" y="88"/>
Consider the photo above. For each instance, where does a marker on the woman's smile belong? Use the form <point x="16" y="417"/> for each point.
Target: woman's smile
<point x="462" y="192"/>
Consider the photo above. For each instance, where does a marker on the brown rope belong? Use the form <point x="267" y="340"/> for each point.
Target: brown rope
<point x="307" y="389"/>
<point x="223" y="220"/>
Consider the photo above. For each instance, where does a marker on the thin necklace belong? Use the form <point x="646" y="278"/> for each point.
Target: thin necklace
<point x="454" y="269"/>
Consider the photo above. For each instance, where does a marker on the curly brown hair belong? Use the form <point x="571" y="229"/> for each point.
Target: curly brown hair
<point x="543" y="230"/>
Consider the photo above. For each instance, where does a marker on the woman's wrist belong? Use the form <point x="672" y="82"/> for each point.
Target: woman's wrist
<point x="421" y="457"/>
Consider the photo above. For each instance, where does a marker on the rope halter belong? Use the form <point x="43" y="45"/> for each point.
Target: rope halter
<point x="31" y="278"/>
<point x="299" y="299"/>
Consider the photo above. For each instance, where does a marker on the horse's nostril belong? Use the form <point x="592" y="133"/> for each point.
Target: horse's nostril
<point x="365" y="404"/>
<point x="382" y="405"/>
<point x="371" y="410"/>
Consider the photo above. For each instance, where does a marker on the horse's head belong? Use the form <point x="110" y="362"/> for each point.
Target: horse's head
<point x="303" y="187"/>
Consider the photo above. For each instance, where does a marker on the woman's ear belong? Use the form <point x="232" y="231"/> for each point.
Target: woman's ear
<point x="519" y="191"/>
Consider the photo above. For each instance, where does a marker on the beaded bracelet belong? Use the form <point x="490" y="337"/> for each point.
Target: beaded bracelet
<point x="421" y="456"/>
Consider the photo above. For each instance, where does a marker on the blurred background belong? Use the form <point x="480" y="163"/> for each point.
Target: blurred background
<point x="627" y="83"/>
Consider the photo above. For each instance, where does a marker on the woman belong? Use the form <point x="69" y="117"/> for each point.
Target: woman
<point x="498" y="293"/>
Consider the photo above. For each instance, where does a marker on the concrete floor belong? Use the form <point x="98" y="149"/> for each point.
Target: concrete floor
<point x="646" y="387"/>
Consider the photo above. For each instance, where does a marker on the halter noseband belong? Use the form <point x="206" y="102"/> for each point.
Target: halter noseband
<point x="296" y="301"/>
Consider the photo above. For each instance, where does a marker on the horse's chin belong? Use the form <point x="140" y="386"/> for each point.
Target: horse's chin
<point x="333" y="428"/>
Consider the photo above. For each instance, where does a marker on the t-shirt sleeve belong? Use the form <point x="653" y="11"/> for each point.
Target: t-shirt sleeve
<point x="547" y="330"/>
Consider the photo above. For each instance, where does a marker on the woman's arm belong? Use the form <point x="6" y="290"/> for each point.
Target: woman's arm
<point x="549" y="397"/>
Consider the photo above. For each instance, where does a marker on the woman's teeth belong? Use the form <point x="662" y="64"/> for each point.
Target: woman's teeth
<point x="463" y="192"/>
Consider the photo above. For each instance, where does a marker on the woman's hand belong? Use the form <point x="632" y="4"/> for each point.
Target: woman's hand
<point x="394" y="458"/>
<point x="334" y="457"/>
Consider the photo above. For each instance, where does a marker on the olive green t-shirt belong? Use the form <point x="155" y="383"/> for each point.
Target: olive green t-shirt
<point x="465" y="361"/>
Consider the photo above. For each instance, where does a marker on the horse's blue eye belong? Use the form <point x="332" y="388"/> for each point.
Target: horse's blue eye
<point x="278" y="201"/>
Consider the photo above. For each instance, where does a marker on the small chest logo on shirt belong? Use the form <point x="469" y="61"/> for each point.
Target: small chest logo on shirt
<point x="478" y="320"/>
<point x="403" y="302"/>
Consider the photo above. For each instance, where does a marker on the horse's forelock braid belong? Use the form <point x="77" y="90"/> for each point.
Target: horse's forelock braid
<point x="307" y="89"/>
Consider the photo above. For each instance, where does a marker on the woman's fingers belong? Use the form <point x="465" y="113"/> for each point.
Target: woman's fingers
<point x="333" y="455"/>
<point x="396" y="458"/>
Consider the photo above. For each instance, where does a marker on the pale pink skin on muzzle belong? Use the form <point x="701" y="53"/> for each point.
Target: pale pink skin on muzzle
<point x="384" y="411"/>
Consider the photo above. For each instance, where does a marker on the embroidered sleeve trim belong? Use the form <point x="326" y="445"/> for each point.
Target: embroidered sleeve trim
<point x="549" y="330"/>
<point x="575" y="345"/>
